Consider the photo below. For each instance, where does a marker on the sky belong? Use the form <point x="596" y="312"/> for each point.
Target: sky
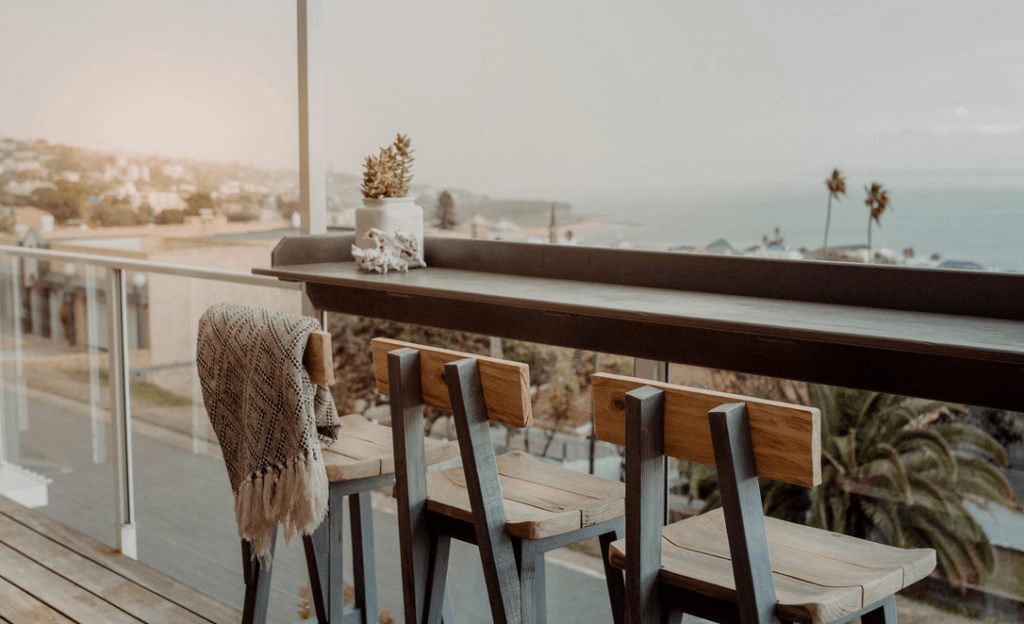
<point x="538" y="98"/>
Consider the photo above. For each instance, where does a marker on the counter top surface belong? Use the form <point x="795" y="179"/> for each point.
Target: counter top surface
<point x="919" y="332"/>
<point x="945" y="335"/>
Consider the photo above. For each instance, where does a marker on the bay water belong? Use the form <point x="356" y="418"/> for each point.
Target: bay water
<point x="979" y="222"/>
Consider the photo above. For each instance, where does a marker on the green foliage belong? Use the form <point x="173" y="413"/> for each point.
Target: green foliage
<point x="286" y="206"/>
<point x="836" y="185"/>
<point x="776" y="239"/>
<point x="351" y="338"/>
<point x="390" y="173"/>
<point x="141" y="390"/>
<point x="111" y="213"/>
<point x="445" y="211"/>
<point x="877" y="202"/>
<point x="1006" y="427"/>
<point x="542" y="362"/>
<point x="890" y="476"/>
<point x="66" y="202"/>
<point x="198" y="201"/>
<point x="701" y="483"/>
<point x="617" y="367"/>
<point x="171" y="216"/>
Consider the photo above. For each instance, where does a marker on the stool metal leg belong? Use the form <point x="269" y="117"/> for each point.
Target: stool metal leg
<point x="540" y="589"/>
<point x="257" y="584"/>
<point x="335" y="556"/>
<point x="438" y="606"/>
<point x="324" y="561"/>
<point x="614" y="578"/>
<point x="672" y="616"/>
<point x="449" y="611"/>
<point x="317" y="567"/>
<point x="884" y="614"/>
<point x="530" y="568"/>
<point x="365" y="581"/>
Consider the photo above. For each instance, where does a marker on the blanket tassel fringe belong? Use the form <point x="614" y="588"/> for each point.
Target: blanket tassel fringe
<point x="262" y="498"/>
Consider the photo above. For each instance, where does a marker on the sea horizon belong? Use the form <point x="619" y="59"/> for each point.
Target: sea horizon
<point x="966" y="220"/>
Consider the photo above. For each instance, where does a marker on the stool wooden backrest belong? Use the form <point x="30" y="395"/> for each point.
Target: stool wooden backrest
<point x="786" y="438"/>
<point x="412" y="376"/>
<point x="319" y="358"/>
<point x="742" y="437"/>
<point x="506" y="384"/>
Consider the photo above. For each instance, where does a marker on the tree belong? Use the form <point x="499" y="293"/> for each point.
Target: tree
<point x="113" y="213"/>
<point x="285" y="207"/>
<point x="877" y="202"/>
<point x="836" y="186"/>
<point x="775" y="240"/>
<point x="198" y="201"/>
<point x="64" y="202"/>
<point x="891" y="474"/>
<point x="445" y="211"/>
<point x="171" y="216"/>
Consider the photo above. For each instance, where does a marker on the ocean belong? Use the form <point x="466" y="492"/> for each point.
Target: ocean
<point x="979" y="222"/>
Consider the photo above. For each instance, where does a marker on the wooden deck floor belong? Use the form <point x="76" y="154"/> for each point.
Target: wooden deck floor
<point x="50" y="573"/>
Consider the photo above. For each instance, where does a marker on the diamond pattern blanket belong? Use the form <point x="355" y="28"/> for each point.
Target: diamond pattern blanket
<point x="270" y="419"/>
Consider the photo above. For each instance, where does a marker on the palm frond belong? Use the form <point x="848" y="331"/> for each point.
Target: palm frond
<point x="960" y="435"/>
<point x="978" y="478"/>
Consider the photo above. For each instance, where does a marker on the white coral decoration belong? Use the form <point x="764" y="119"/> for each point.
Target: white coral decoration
<point x="391" y="252"/>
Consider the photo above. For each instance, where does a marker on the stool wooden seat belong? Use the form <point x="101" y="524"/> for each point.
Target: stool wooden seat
<point x="733" y="564"/>
<point x="365" y="449"/>
<point x="819" y="576"/>
<point x="541" y="500"/>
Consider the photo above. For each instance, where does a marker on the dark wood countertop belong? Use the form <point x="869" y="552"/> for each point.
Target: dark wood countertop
<point x="958" y="357"/>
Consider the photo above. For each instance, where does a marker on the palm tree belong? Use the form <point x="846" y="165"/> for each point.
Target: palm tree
<point x="877" y="202"/>
<point x="890" y="475"/>
<point x="836" y="186"/>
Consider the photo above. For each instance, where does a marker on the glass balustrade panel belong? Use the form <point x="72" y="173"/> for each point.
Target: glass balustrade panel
<point x="56" y="445"/>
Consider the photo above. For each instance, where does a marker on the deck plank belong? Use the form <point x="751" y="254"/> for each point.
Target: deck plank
<point x="58" y="592"/>
<point x="189" y="605"/>
<point x="19" y="606"/>
<point x="141" y="602"/>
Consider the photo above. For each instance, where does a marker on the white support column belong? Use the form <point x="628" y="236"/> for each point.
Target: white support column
<point x="120" y="413"/>
<point x="199" y="417"/>
<point x="20" y="387"/>
<point x="4" y="301"/>
<point x="312" y="135"/>
<point x="99" y="442"/>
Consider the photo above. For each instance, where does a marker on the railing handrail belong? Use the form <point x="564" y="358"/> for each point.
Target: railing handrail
<point x="166" y="268"/>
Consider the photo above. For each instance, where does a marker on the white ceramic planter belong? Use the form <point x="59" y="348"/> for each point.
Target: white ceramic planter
<point x="389" y="214"/>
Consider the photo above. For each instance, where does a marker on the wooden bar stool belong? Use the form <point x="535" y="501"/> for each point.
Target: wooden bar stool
<point x="512" y="507"/>
<point x="360" y="461"/>
<point x="733" y="564"/>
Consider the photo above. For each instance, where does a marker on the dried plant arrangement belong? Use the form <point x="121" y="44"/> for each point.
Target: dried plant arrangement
<point x="389" y="174"/>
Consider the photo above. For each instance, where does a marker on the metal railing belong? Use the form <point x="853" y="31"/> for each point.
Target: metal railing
<point x="127" y="264"/>
<point x="118" y="362"/>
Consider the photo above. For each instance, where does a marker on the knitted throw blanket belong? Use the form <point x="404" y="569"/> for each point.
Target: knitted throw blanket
<point x="270" y="420"/>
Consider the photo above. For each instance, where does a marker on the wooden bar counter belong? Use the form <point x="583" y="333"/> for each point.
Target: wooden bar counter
<point x="937" y="334"/>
